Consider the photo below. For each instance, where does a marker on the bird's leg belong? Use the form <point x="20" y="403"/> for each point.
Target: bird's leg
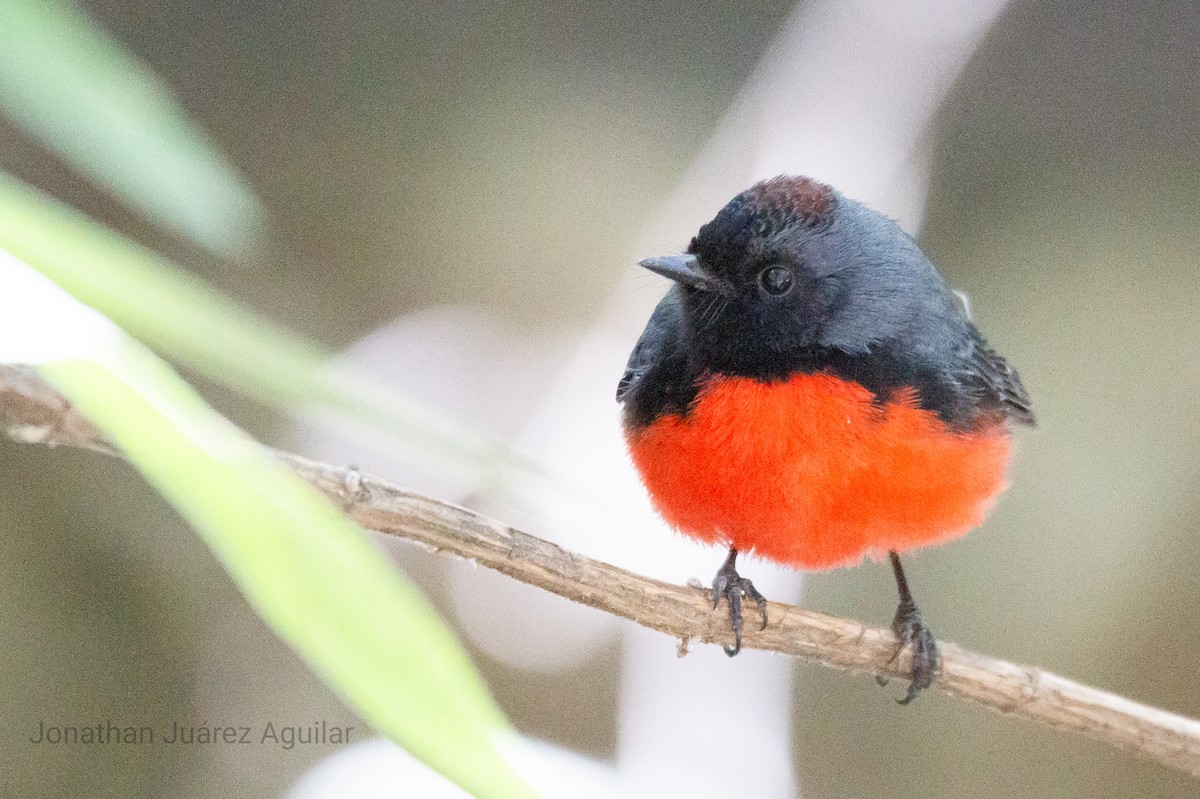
<point x="910" y="629"/>
<point x="729" y="584"/>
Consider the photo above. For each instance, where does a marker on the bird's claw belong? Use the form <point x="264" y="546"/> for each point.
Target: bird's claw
<point x="729" y="584"/>
<point x="910" y="629"/>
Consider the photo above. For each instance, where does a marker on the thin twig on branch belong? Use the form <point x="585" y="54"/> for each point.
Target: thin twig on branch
<point x="31" y="410"/>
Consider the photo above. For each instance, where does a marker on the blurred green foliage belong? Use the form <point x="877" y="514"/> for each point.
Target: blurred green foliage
<point x="64" y="79"/>
<point x="313" y="576"/>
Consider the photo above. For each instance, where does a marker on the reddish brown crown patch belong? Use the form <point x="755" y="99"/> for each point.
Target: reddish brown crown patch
<point x="800" y="197"/>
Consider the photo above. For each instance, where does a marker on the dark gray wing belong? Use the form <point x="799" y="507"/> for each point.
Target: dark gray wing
<point x="658" y="341"/>
<point x="658" y="378"/>
<point x="993" y="379"/>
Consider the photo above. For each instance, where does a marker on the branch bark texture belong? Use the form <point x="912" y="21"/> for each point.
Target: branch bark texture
<point x="32" y="411"/>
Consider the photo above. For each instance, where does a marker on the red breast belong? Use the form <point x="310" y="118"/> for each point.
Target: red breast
<point x="814" y="472"/>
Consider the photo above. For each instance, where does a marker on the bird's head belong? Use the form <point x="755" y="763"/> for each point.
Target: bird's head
<point x="790" y="269"/>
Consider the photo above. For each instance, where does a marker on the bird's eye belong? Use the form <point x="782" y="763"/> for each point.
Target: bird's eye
<point x="776" y="280"/>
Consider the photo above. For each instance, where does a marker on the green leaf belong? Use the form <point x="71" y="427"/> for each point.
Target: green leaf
<point x="75" y="88"/>
<point x="188" y="321"/>
<point x="310" y="573"/>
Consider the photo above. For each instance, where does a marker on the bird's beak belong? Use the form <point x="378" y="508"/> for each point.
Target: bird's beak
<point x="685" y="270"/>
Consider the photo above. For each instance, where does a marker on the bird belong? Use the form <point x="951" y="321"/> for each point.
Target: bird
<point x="811" y="391"/>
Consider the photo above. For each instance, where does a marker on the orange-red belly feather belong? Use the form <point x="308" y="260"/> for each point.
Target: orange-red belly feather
<point x="813" y="473"/>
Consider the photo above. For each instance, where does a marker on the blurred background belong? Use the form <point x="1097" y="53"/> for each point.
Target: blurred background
<point x="455" y="194"/>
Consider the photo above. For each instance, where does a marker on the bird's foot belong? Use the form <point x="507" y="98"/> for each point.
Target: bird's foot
<point x="910" y="629"/>
<point x="729" y="584"/>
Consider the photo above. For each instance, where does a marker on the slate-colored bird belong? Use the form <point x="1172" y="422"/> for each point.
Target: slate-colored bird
<point x="810" y="390"/>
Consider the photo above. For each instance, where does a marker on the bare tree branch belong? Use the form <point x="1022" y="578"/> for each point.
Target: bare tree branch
<point x="32" y="411"/>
